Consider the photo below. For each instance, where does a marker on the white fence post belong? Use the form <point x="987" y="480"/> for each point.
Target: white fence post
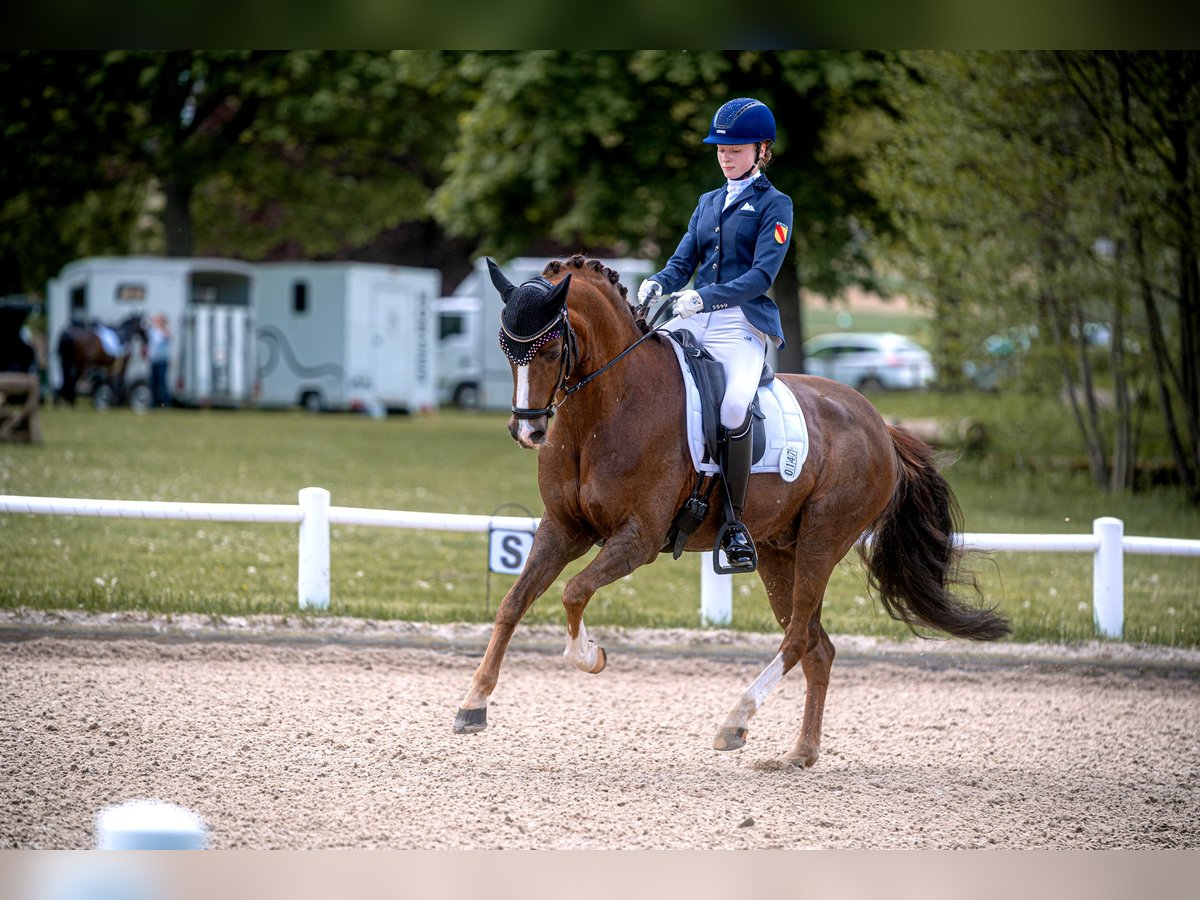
<point x="716" y="594"/>
<point x="313" y="576"/>
<point x="1108" y="577"/>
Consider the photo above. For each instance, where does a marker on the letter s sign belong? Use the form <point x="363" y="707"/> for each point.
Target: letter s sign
<point x="508" y="550"/>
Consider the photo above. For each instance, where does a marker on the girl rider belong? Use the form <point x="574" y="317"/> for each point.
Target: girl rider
<point x="732" y="251"/>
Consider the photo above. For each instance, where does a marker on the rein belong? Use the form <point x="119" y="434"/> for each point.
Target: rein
<point x="568" y="361"/>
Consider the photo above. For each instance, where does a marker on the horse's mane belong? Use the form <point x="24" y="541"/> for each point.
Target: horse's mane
<point x="606" y="280"/>
<point x="591" y="270"/>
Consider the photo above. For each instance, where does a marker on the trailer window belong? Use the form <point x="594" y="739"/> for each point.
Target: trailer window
<point x="300" y="297"/>
<point x="450" y="325"/>
<point x="130" y="292"/>
<point x="78" y="301"/>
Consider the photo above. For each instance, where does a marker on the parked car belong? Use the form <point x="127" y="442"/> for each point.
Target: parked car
<point x="1000" y="358"/>
<point x="864" y="360"/>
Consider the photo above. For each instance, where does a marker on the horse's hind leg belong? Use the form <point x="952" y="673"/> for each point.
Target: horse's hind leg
<point x="776" y="568"/>
<point x="817" y="662"/>
<point x="552" y="549"/>
<point x="819" y="550"/>
<point x="795" y="580"/>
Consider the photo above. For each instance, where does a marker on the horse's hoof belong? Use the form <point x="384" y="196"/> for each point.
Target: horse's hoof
<point x="803" y="759"/>
<point x="730" y="739"/>
<point x="600" y="663"/>
<point x="470" y="721"/>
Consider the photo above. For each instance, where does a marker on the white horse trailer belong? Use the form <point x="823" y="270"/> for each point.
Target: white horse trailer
<point x="206" y="303"/>
<point x="337" y="336"/>
<point x="473" y="370"/>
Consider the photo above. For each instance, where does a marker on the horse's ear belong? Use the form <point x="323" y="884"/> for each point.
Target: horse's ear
<point x="502" y="284"/>
<point x="558" y="295"/>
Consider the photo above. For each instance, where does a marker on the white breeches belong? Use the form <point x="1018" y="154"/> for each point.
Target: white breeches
<point x="741" y="349"/>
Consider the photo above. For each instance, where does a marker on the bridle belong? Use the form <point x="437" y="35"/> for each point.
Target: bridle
<point x="570" y="358"/>
<point x="566" y="365"/>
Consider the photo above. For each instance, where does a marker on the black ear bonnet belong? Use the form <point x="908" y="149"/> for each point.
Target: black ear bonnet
<point x="533" y="315"/>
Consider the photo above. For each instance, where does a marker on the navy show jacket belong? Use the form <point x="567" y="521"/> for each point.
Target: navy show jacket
<point x="735" y="252"/>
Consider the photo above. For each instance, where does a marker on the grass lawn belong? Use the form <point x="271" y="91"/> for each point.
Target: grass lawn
<point x="465" y="463"/>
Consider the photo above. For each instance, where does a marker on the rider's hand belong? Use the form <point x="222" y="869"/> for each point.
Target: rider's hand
<point x="649" y="292"/>
<point x="687" y="303"/>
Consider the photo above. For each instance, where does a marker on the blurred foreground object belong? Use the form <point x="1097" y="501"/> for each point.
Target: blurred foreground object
<point x="149" y="825"/>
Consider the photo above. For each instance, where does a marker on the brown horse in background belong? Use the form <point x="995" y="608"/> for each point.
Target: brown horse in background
<point x="81" y="353"/>
<point x="616" y="468"/>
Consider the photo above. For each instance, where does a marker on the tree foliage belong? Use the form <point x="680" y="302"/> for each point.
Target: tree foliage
<point x="1058" y="193"/>
<point x="269" y="154"/>
<point x="605" y="150"/>
<point x="229" y="152"/>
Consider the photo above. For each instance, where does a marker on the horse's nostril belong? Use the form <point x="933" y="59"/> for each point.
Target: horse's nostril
<point x="537" y="437"/>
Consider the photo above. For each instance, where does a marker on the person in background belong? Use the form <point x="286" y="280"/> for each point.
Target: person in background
<point x="159" y="351"/>
<point x="732" y="251"/>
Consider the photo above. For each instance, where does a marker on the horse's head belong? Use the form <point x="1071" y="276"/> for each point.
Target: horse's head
<point x="132" y="327"/>
<point x="536" y="336"/>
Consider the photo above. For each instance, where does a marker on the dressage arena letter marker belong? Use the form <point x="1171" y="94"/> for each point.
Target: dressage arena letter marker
<point x="508" y="550"/>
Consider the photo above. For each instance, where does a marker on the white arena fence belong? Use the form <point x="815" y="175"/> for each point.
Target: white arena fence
<point x="1107" y="543"/>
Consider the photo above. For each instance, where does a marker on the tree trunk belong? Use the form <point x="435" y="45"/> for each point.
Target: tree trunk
<point x="177" y="217"/>
<point x="791" y="314"/>
<point x="1124" y="449"/>
<point x="1165" y="375"/>
<point x="1086" y="420"/>
<point x="1177" y="123"/>
<point x="948" y="339"/>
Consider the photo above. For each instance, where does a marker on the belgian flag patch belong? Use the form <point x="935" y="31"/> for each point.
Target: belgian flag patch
<point x="781" y="233"/>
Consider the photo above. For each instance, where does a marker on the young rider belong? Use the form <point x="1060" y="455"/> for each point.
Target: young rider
<point x="732" y="251"/>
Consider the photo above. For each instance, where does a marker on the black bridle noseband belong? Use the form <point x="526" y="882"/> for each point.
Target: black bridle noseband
<point x="568" y="361"/>
<point x="566" y="365"/>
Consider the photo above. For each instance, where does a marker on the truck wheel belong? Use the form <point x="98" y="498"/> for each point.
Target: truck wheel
<point x="466" y="396"/>
<point x="311" y="401"/>
<point x="103" y="396"/>
<point x="140" y="397"/>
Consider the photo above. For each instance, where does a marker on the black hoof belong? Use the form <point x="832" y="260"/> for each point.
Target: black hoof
<point x="470" y="721"/>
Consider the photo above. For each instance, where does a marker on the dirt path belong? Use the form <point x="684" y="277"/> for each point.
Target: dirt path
<point x="300" y="738"/>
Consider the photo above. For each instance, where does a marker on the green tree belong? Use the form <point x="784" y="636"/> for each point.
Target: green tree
<point x="604" y="151"/>
<point x="231" y="152"/>
<point x="52" y="176"/>
<point x="1027" y="190"/>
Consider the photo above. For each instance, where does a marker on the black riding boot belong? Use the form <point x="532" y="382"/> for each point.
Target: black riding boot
<point x="736" y="458"/>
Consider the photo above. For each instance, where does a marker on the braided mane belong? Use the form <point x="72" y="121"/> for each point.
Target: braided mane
<point x="591" y="270"/>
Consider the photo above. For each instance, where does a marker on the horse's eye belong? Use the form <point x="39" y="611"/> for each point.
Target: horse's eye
<point x="553" y="355"/>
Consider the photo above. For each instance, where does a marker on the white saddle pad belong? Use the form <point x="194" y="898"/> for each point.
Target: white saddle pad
<point x="110" y="341"/>
<point x="786" y="431"/>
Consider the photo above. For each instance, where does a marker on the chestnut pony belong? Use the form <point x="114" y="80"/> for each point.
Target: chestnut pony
<point x="616" y="467"/>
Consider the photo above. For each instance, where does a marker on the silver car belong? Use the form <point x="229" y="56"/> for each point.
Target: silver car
<point x="868" y="361"/>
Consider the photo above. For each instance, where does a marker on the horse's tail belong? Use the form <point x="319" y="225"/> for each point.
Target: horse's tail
<point x="913" y="558"/>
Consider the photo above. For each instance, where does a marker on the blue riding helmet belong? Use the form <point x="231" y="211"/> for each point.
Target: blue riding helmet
<point x="742" y="121"/>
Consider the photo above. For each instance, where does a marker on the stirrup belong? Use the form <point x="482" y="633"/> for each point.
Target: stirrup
<point x="726" y="534"/>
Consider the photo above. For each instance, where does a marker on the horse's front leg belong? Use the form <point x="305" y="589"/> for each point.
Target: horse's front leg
<point x="623" y="552"/>
<point x="553" y="547"/>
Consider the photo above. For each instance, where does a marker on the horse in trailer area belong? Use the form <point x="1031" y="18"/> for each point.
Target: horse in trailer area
<point x="617" y="468"/>
<point x="99" y="352"/>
